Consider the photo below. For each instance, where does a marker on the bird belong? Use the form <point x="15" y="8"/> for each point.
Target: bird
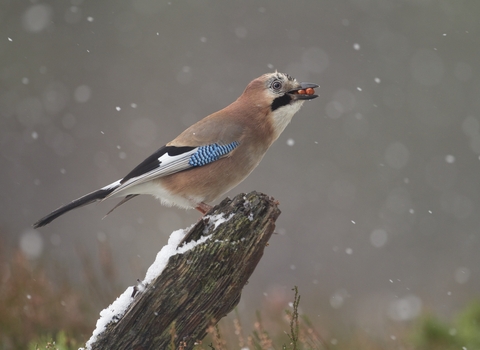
<point x="213" y="155"/>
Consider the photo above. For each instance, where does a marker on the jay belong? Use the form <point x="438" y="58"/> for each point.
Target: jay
<point x="213" y="155"/>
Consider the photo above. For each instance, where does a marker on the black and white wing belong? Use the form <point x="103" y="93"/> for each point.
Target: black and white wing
<point x="169" y="160"/>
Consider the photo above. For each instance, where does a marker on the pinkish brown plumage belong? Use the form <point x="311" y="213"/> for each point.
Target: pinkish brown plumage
<point x="215" y="154"/>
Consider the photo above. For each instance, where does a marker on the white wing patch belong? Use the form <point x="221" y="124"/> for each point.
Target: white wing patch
<point x="112" y="185"/>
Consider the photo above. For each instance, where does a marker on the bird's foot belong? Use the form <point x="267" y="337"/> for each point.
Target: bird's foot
<point x="203" y="207"/>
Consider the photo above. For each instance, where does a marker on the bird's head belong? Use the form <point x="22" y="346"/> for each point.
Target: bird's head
<point x="279" y="90"/>
<point x="280" y="95"/>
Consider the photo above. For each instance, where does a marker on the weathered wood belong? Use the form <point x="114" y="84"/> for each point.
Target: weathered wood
<point x="199" y="287"/>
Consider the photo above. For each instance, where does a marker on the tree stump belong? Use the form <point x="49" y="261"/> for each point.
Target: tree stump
<point x="202" y="285"/>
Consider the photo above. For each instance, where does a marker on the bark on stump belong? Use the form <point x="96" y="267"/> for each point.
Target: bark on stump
<point x="196" y="289"/>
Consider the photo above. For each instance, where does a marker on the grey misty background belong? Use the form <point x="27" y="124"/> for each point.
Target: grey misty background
<point x="378" y="178"/>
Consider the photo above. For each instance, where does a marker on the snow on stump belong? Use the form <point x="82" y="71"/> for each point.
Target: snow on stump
<point x="196" y="279"/>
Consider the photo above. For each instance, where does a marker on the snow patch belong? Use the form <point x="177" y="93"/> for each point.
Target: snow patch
<point x="163" y="255"/>
<point x="218" y="219"/>
<point x="112" y="313"/>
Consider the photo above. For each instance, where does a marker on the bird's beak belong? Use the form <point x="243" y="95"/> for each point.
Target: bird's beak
<point x="306" y="91"/>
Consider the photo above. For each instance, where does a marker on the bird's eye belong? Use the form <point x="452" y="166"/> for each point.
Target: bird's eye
<point x="276" y="85"/>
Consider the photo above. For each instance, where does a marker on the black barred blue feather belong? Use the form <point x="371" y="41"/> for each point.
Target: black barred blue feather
<point x="211" y="153"/>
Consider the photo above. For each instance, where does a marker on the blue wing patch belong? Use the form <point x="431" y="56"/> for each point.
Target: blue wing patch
<point x="211" y="153"/>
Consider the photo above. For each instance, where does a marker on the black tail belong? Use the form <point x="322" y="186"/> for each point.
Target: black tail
<point x="80" y="202"/>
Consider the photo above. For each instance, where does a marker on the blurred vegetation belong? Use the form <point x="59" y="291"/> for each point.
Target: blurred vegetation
<point x="38" y="306"/>
<point x="38" y="313"/>
<point x="463" y="333"/>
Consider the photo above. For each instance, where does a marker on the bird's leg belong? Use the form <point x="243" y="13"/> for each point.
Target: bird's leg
<point x="203" y="207"/>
